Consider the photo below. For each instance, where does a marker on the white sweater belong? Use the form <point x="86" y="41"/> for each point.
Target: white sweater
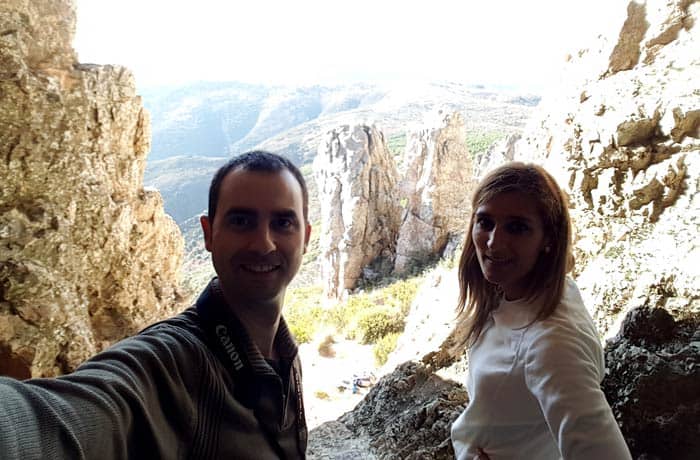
<point x="535" y="391"/>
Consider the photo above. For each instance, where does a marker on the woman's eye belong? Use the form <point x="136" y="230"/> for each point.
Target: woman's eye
<point x="517" y="227"/>
<point x="484" y="223"/>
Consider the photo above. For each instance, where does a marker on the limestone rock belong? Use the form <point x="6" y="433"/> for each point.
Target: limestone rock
<point x="652" y="383"/>
<point x="87" y="256"/>
<point x="407" y="415"/>
<point x="356" y="178"/>
<point x="500" y="152"/>
<point x="436" y="190"/>
<point x="628" y="154"/>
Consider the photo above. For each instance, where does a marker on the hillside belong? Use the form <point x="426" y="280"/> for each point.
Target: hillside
<point x="195" y="127"/>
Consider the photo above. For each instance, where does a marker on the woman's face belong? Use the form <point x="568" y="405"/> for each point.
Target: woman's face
<point x="509" y="236"/>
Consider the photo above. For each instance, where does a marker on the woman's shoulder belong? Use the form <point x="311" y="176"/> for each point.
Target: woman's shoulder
<point x="570" y="325"/>
<point x="570" y="314"/>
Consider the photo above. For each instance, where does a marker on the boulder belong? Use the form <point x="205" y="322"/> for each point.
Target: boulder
<point x="87" y="255"/>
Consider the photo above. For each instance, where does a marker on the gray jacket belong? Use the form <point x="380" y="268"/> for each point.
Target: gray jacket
<point x="168" y="392"/>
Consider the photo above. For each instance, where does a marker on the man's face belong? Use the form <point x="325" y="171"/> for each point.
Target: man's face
<point x="258" y="236"/>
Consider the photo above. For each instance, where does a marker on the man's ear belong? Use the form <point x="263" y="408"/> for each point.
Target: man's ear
<point x="206" y="229"/>
<point x="307" y="236"/>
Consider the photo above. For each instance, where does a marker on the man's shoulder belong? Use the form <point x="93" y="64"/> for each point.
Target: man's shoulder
<point x="178" y="335"/>
<point x="188" y="320"/>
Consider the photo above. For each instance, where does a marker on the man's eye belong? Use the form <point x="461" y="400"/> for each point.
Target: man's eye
<point x="239" y="221"/>
<point x="284" y="223"/>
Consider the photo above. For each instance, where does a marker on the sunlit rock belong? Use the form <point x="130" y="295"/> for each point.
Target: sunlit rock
<point x="359" y="207"/>
<point x="87" y="255"/>
<point x="628" y="154"/>
<point x="436" y="190"/>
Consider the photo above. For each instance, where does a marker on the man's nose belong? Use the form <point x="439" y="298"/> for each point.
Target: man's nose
<point x="262" y="241"/>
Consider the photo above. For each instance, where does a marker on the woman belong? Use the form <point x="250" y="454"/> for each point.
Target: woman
<point x="535" y="359"/>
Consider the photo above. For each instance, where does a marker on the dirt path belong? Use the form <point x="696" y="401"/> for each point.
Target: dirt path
<point x="326" y="396"/>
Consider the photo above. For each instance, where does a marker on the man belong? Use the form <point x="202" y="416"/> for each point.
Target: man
<point x="220" y="380"/>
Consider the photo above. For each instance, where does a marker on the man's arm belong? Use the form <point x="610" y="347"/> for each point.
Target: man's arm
<point x="131" y="399"/>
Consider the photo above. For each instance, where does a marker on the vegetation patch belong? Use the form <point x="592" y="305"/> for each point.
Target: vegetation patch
<point x="396" y="144"/>
<point x="303" y="311"/>
<point x="479" y="142"/>
<point x="377" y="322"/>
<point x="384" y="346"/>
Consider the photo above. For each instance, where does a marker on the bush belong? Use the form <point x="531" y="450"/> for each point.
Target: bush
<point x="303" y="312"/>
<point x="384" y="346"/>
<point x="377" y="322"/>
<point x="401" y="294"/>
<point x="344" y="316"/>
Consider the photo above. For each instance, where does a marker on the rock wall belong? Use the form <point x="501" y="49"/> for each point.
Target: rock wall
<point x="87" y="256"/>
<point x="652" y="383"/>
<point x="407" y="416"/>
<point x="623" y="137"/>
<point x="436" y="190"/>
<point x="360" y="212"/>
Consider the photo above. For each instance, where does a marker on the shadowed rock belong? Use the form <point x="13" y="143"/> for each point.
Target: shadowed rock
<point x="653" y="384"/>
<point x="407" y="415"/>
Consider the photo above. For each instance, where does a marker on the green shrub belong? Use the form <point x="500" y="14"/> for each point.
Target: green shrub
<point x="377" y="322"/>
<point x="384" y="346"/>
<point x="401" y="294"/>
<point x="344" y="316"/>
<point x="303" y="312"/>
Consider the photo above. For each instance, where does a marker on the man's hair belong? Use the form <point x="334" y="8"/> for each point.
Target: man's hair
<point x="257" y="161"/>
<point x="477" y="297"/>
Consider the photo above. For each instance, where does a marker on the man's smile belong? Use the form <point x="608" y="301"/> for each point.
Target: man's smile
<point x="260" y="268"/>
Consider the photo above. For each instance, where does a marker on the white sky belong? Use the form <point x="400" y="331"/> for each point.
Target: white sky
<point x="511" y="42"/>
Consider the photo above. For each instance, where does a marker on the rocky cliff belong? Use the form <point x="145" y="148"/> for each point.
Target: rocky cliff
<point x="87" y="255"/>
<point x="360" y="212"/>
<point x="436" y="190"/>
<point x="622" y="136"/>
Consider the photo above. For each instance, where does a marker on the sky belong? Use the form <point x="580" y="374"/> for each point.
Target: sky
<point x="519" y="43"/>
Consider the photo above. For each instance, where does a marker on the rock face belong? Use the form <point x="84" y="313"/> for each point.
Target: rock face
<point x="652" y="384"/>
<point x="356" y="178"/>
<point x="407" y="415"/>
<point x="436" y="190"/>
<point x="500" y="152"/>
<point x="624" y="138"/>
<point x="87" y="255"/>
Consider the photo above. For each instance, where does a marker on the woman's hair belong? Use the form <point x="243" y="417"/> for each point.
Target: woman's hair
<point x="477" y="297"/>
